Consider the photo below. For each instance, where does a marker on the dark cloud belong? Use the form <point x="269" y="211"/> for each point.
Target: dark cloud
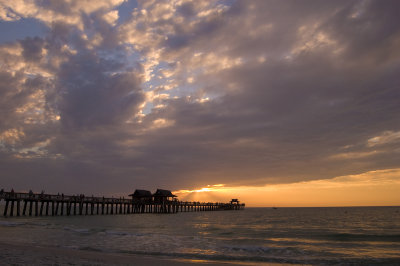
<point x="289" y="117"/>
<point x="32" y="48"/>
<point x="8" y="98"/>
<point x="93" y="95"/>
<point x="62" y="7"/>
<point x="296" y="92"/>
<point x="186" y="9"/>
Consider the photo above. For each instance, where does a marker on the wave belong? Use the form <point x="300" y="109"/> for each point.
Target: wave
<point x="101" y="231"/>
<point x="290" y="259"/>
<point x="363" y="237"/>
<point x="87" y="248"/>
<point x="122" y="233"/>
<point x="11" y="224"/>
<point x="78" y="230"/>
<point x="263" y="250"/>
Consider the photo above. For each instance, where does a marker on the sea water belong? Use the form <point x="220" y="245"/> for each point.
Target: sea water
<point x="352" y="235"/>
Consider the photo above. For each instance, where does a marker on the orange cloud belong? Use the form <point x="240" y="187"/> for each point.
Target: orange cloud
<point x="367" y="189"/>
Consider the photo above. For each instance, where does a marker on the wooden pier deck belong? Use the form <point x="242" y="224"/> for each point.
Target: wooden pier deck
<point x="34" y="204"/>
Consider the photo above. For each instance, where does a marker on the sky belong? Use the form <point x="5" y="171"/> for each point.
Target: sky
<point x="277" y="103"/>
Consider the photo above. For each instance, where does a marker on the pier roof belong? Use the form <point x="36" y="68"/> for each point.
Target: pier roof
<point x="163" y="193"/>
<point x="140" y="193"/>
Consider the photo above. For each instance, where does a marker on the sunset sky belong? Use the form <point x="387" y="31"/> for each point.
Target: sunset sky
<point x="277" y="103"/>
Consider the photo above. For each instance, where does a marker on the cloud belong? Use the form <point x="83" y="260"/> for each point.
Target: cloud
<point x="33" y="48"/>
<point x="374" y="188"/>
<point x="49" y="12"/>
<point x="387" y="137"/>
<point x="186" y="93"/>
<point x="93" y="95"/>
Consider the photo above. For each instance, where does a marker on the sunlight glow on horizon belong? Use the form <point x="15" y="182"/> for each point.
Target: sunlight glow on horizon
<point x="373" y="188"/>
<point x="204" y="189"/>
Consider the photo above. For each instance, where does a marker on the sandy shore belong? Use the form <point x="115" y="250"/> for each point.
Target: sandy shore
<point x="20" y="254"/>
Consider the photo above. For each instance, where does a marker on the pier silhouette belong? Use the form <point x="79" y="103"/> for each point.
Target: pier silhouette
<point x="141" y="201"/>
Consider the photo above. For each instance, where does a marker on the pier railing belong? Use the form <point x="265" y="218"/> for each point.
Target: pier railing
<point x="34" y="204"/>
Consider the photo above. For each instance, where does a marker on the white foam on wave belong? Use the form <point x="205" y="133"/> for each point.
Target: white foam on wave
<point x="77" y="230"/>
<point x="263" y="250"/>
<point x="10" y="224"/>
<point x="121" y="233"/>
<point x="117" y="233"/>
<point x="70" y="247"/>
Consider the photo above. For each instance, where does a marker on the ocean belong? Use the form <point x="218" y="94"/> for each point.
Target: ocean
<point x="337" y="235"/>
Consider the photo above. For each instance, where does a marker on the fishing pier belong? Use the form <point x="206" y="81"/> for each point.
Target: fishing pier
<point x="141" y="201"/>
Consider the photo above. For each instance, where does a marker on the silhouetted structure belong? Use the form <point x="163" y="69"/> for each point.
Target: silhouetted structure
<point x="141" y="198"/>
<point x="162" y="201"/>
<point x="141" y="195"/>
<point x="163" y="195"/>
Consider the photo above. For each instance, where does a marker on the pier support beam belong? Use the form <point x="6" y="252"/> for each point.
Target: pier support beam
<point x="12" y="208"/>
<point x="24" y="208"/>
<point x="30" y="207"/>
<point x="6" y="208"/>
<point x="18" y="207"/>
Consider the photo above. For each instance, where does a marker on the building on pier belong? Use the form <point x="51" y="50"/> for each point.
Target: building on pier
<point x="163" y="195"/>
<point x="141" y="196"/>
<point x="235" y="201"/>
